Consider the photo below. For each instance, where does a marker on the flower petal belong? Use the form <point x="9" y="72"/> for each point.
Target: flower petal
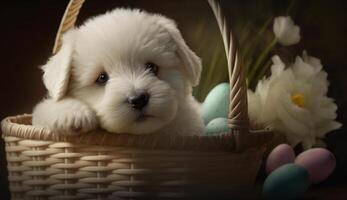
<point x="272" y="102"/>
<point x="286" y="31"/>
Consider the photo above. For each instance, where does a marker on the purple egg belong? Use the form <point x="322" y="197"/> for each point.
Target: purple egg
<point x="319" y="162"/>
<point x="281" y="155"/>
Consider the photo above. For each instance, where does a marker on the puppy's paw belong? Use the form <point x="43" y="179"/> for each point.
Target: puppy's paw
<point x="68" y="116"/>
<point x="75" y="122"/>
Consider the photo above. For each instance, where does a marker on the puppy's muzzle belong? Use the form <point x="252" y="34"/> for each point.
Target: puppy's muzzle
<point x="139" y="101"/>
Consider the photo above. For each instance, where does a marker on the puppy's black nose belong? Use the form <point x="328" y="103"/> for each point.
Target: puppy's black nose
<point x="139" y="101"/>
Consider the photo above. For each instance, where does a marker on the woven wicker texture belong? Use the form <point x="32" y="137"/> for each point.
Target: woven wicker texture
<point x="76" y="171"/>
<point x="43" y="164"/>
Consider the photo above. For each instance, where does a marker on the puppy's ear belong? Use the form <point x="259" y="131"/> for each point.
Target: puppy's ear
<point x="191" y="62"/>
<point x="57" y="69"/>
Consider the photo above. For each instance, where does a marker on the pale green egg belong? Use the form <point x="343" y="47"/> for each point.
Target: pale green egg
<point x="216" y="104"/>
<point x="217" y="126"/>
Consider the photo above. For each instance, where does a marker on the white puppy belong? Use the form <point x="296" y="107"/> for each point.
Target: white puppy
<point x="126" y="71"/>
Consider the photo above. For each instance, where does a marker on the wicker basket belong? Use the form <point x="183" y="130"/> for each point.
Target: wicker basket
<point x="98" y="165"/>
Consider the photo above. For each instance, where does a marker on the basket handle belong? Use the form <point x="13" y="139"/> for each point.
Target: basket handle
<point x="238" y="108"/>
<point x="67" y="22"/>
<point x="238" y="111"/>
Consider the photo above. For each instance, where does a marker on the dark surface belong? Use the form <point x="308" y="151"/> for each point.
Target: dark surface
<point x="28" y="30"/>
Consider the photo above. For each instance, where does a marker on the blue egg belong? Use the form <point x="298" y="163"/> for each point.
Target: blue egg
<point x="216" y="104"/>
<point x="289" y="181"/>
<point x="217" y="126"/>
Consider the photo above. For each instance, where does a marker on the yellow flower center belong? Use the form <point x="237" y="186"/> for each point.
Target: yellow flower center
<point x="299" y="100"/>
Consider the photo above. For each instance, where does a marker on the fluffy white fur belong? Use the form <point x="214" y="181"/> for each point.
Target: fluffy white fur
<point x="120" y="43"/>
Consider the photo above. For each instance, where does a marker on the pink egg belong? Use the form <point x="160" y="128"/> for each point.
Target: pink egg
<point x="282" y="154"/>
<point x="319" y="162"/>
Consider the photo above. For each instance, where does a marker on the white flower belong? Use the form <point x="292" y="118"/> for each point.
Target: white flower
<point x="286" y="32"/>
<point x="294" y="101"/>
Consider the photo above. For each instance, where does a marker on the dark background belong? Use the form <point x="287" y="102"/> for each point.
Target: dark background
<point x="28" y="31"/>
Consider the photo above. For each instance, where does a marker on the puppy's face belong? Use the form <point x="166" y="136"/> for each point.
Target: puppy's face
<point x="131" y="67"/>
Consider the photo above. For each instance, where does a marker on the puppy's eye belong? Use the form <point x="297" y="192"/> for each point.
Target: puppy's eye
<point x="152" y="68"/>
<point x="102" y="79"/>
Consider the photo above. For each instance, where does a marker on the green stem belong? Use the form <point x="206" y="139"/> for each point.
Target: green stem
<point x="261" y="59"/>
<point x="263" y="70"/>
<point x="253" y="41"/>
<point x="290" y="7"/>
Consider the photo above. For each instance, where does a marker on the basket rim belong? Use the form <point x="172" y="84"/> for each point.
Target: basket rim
<point x="15" y="126"/>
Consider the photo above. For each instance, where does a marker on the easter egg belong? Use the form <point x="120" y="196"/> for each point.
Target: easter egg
<point x="289" y="181"/>
<point x="217" y="126"/>
<point x="282" y="154"/>
<point x="319" y="162"/>
<point x="216" y="103"/>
